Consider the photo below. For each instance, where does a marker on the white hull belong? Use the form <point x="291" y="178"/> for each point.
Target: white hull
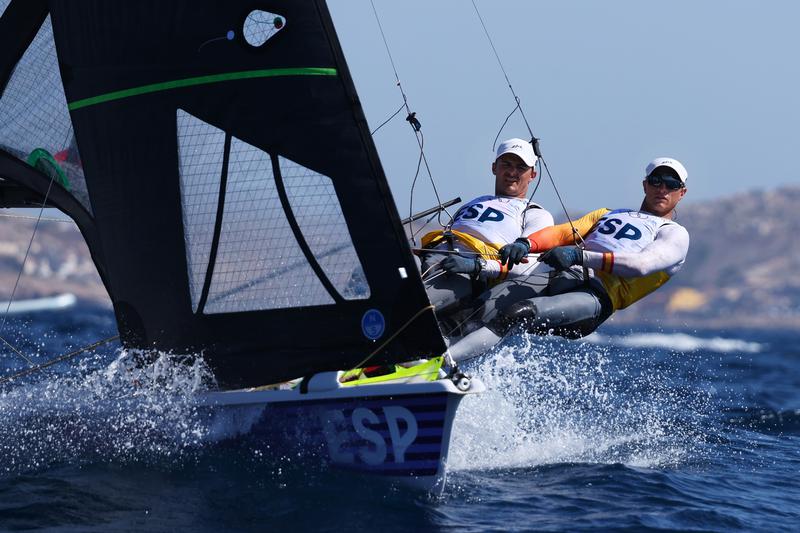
<point x="399" y="431"/>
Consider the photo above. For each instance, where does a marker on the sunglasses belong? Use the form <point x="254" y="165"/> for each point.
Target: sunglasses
<point x="671" y="183"/>
<point x="506" y="165"/>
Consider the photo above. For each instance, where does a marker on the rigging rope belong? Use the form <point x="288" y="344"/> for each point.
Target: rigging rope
<point x="534" y="140"/>
<point x="33" y="366"/>
<point x="417" y="128"/>
<point x="19" y="274"/>
<point x="416" y="232"/>
<point x="494" y="143"/>
<point x="65" y="357"/>
<point x="385" y="122"/>
<point x="499" y="62"/>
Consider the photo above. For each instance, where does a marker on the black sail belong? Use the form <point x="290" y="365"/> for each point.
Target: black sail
<point x="236" y="204"/>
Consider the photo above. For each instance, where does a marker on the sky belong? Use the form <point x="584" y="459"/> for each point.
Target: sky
<point x="606" y="86"/>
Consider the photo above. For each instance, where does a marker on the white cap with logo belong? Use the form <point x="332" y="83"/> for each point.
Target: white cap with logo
<point x="668" y="162"/>
<point x="518" y="147"/>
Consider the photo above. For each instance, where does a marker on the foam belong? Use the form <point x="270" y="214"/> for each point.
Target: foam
<point x="558" y="401"/>
<point x="678" y="342"/>
<point x="119" y="412"/>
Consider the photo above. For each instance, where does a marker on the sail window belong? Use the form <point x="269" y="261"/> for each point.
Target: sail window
<point x="36" y="125"/>
<point x="260" y="26"/>
<point x="3" y="6"/>
<point x="201" y="148"/>
<point x="319" y="215"/>
<point x="258" y="263"/>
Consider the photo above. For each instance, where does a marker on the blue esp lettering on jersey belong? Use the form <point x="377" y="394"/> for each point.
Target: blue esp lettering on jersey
<point x="628" y="231"/>
<point x="609" y="226"/>
<point x="472" y="211"/>
<point x="491" y="215"/>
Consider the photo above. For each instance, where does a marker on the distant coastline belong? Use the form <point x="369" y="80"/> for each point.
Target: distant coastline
<point x="743" y="267"/>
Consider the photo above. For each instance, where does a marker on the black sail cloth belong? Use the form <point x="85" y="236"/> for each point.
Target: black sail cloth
<point x="132" y="71"/>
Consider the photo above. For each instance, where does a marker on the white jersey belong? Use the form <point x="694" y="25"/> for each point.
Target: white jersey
<point x="632" y="252"/>
<point x="499" y="220"/>
<point x="624" y="231"/>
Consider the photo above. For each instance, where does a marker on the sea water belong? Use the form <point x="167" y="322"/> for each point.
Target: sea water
<point x="625" y="430"/>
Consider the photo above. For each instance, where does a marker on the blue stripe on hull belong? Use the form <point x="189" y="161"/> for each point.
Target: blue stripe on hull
<point x="368" y="434"/>
<point x="374" y="401"/>
<point x="417" y="472"/>
<point x="395" y="467"/>
<point x="412" y="450"/>
<point x="427" y="434"/>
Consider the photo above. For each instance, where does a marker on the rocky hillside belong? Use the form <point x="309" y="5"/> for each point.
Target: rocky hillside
<point x="58" y="261"/>
<point x="743" y="267"/>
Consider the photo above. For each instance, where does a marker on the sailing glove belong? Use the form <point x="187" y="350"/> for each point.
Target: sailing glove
<point x="562" y="257"/>
<point x="460" y="265"/>
<point x="516" y="251"/>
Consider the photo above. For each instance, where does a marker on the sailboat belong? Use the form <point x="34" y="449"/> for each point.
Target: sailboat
<point x="219" y="166"/>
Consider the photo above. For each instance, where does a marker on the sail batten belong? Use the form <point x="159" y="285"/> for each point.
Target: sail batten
<point x="199" y="80"/>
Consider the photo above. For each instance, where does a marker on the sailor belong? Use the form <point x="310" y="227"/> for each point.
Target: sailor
<point x="480" y="228"/>
<point x="626" y="255"/>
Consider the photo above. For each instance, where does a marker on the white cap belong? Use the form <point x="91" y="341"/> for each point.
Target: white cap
<point x="523" y="149"/>
<point x="668" y="162"/>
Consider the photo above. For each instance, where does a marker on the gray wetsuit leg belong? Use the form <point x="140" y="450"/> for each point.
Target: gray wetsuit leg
<point x="507" y="293"/>
<point x="571" y="310"/>
<point x="475" y="336"/>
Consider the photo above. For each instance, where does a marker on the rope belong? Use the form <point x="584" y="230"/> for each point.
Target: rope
<point x="37" y="368"/>
<point x="494" y="143"/>
<point x="499" y="62"/>
<point x="423" y="226"/>
<point x="429" y="269"/>
<point x="416" y="127"/>
<point x="388" y="51"/>
<point x="385" y="122"/>
<point x="393" y="336"/>
<point x="19" y="274"/>
<point x="19" y="353"/>
<point x="576" y="235"/>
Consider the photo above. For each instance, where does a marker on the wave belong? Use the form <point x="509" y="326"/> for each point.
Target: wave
<point x="122" y="411"/>
<point x="548" y="401"/>
<point x="556" y="401"/>
<point x="766" y="420"/>
<point x="48" y="303"/>
<point x="678" y="342"/>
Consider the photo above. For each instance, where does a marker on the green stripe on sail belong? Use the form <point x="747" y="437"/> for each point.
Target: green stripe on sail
<point x="200" y="80"/>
